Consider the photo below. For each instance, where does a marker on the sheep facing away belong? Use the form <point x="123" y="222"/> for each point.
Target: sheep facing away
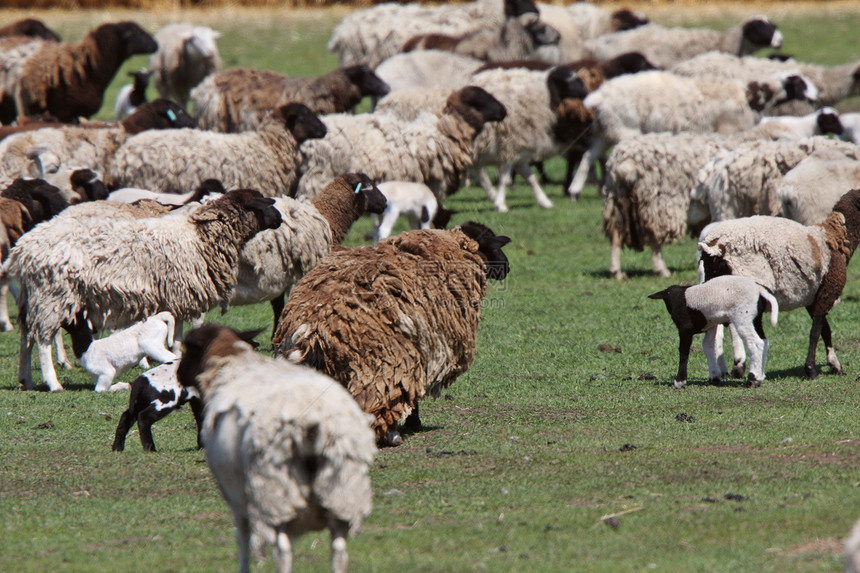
<point x="804" y="266"/>
<point x="285" y="461"/>
<point x="184" y="264"/>
<point x="809" y="191"/>
<point x="238" y="99"/>
<point x="186" y="54"/>
<point x="725" y="299"/>
<point x="396" y="321"/>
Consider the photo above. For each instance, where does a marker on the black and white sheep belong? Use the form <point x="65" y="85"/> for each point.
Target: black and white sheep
<point x="179" y="161"/>
<point x="133" y="95"/>
<point x="186" y="265"/>
<point x="734" y="300"/>
<point x="238" y="99"/>
<point x="804" y="266"/>
<point x="186" y="54"/>
<point x="581" y="21"/>
<point x="286" y="461"/>
<point x="415" y="201"/>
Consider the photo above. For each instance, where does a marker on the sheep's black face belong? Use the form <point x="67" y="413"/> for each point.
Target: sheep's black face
<point x="633" y="63"/>
<point x="368" y="83"/>
<point x="490" y="248"/>
<point x="627" y="20"/>
<point x="567" y="84"/>
<point x="798" y="88"/>
<point x="370" y="198"/>
<point x="141" y="79"/>
<point x="135" y="39"/>
<point x="828" y="122"/>
<point x="762" y="32"/>
<point x="543" y="34"/>
<point x="849" y="206"/>
<point x="157" y="114"/>
<point x="86" y="183"/>
<point x="481" y="101"/>
<point x="516" y="8"/>
<point x="302" y="122"/>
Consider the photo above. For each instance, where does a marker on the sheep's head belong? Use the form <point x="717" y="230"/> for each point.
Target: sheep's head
<point x="132" y="39"/>
<point x="141" y="79"/>
<point x="627" y="20"/>
<point x="849" y="206"/>
<point x="489" y="248"/>
<point x="798" y="87"/>
<point x="760" y="32"/>
<point x="208" y="342"/>
<point x="367" y="82"/>
<point x="564" y="83"/>
<point x="86" y="183"/>
<point x="476" y="106"/>
<point x="517" y="8"/>
<point x="157" y="114"/>
<point x="201" y="43"/>
<point x="827" y="119"/>
<point x="629" y="63"/>
<point x="541" y="33"/>
<point x="41" y="199"/>
<point x="34" y="29"/>
<point x="300" y="121"/>
<point x="368" y="197"/>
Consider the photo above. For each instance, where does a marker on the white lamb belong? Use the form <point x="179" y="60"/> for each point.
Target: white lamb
<point x="288" y="446"/>
<point x="820" y="122"/>
<point x="413" y="200"/>
<point x="106" y="358"/>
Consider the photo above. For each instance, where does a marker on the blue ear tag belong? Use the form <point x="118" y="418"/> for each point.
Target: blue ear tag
<point x="171" y="115"/>
<point x="357" y="188"/>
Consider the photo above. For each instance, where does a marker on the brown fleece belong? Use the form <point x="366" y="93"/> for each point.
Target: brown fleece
<point x="338" y="204"/>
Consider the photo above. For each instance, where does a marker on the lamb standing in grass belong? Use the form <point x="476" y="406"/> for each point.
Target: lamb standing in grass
<point x="286" y="461"/>
<point x="701" y="308"/>
<point x="413" y="200"/>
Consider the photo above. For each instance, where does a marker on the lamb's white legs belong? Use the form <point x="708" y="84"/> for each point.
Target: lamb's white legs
<point x="525" y="170"/>
<point x="339" y="558"/>
<point x="739" y="357"/>
<point x="716" y="362"/>
<point x="49" y="375"/>
<point x="283" y="553"/>
<point x="658" y="264"/>
<point x="615" y="257"/>
<point x="62" y="357"/>
<point x="5" y="321"/>
<point x="598" y="147"/>
<point x="757" y="349"/>
<point x="384" y="226"/>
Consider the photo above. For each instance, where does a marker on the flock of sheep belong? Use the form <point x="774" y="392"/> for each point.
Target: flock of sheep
<point x="138" y="226"/>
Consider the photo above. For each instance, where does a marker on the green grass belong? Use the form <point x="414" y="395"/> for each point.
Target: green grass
<point x="526" y="452"/>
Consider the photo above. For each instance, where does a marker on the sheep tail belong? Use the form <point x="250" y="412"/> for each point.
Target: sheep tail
<point x="767" y="294"/>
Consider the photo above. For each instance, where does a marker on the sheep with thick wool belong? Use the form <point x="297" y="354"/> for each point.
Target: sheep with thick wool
<point x="67" y="80"/>
<point x="804" y="266"/>
<point x="809" y="191"/>
<point x="660" y="101"/>
<point x="114" y="273"/>
<point x="238" y="99"/>
<point x="288" y="446"/>
<point x="579" y="22"/>
<point x="427" y="69"/>
<point x="175" y="162"/>
<point x="434" y="150"/>
<point x="186" y="54"/>
<point x="394" y="322"/>
<point x="665" y="47"/>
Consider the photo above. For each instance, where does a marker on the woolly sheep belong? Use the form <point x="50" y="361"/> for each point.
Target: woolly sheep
<point x="285" y="461"/>
<point x="155" y="394"/>
<point x="186" y="54"/>
<point x="804" y="266"/>
<point x="182" y="264"/>
<point x="179" y="161"/>
<point x="661" y="101"/>
<point x="207" y="188"/>
<point x="396" y="321"/>
<point x="665" y="47"/>
<point x="61" y="78"/>
<point x="29" y="27"/>
<point x="106" y="358"/>
<point x="850" y="127"/>
<point x="821" y="122"/>
<point x="809" y="191"/>
<point x="434" y="150"/>
<point x="238" y="99"/>
<point x="427" y="69"/>
<point x="132" y="95"/>
<point x="702" y="308"/>
<point x="581" y="21"/>
<point x="415" y="201"/>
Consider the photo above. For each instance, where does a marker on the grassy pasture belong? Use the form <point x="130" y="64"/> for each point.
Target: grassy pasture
<point x="567" y="415"/>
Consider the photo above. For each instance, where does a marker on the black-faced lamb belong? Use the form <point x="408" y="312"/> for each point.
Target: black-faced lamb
<point x="186" y="54"/>
<point x="155" y="394"/>
<point x="69" y="80"/>
<point x="809" y="191"/>
<point x="133" y="95"/>
<point x="177" y="162"/>
<point x="702" y="308"/>
<point x="184" y="264"/>
<point x="286" y="461"/>
<point x="804" y="266"/>
<point x="824" y="121"/>
<point x="30" y="27"/>
<point x="665" y="47"/>
<point x="396" y="321"/>
<point x="106" y="358"/>
<point x="434" y="150"/>
<point x="238" y="99"/>
<point x="415" y="201"/>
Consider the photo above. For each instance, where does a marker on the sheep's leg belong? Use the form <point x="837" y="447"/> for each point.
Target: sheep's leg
<point x="749" y="333"/>
<point x="412" y="423"/>
<point x="684" y="343"/>
<point x="49" y="375"/>
<point x="243" y="539"/>
<point x="5" y="321"/>
<point x="197" y="409"/>
<point x="283" y="552"/>
<point x="525" y="170"/>
<point x="389" y="218"/>
<point x="598" y="147"/>
<point x="125" y="423"/>
<point x="615" y="256"/>
<point x="486" y="184"/>
<point x="147" y="417"/>
<point x="505" y="180"/>
<point x="739" y="357"/>
<point x="827" y="337"/>
<point x="105" y="378"/>
<point x="718" y="350"/>
<point x="62" y="358"/>
<point x="156" y="350"/>
<point x="339" y="558"/>
<point x="25" y="361"/>
<point x="657" y="262"/>
<point x="715" y="372"/>
<point x="277" y="309"/>
<point x="814" y="335"/>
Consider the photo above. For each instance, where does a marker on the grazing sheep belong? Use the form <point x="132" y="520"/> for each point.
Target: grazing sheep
<point x="743" y="182"/>
<point x="106" y="358"/>
<point x="285" y="461"/>
<point x="184" y="264"/>
<point x="804" y="266"/>
<point x="428" y="69"/>
<point x="396" y="321"/>
<point x="131" y="96"/>
<point x="238" y="99"/>
<point x="155" y="394"/>
<point x="702" y="308"/>
<point x="581" y="21"/>
<point x="821" y="122"/>
<point x="661" y="101"/>
<point x="665" y="47"/>
<point x="207" y="188"/>
<point x="809" y="191"/>
<point x="415" y="201"/>
<point x="69" y="80"/>
<point x="86" y="146"/>
<point x="264" y="160"/>
<point x="29" y="27"/>
<point x="434" y="150"/>
<point x="186" y="54"/>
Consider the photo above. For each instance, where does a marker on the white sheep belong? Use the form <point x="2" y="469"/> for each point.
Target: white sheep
<point x="428" y="69"/>
<point x="809" y="191"/>
<point x="210" y="188"/>
<point x="581" y="21"/>
<point x="186" y="54"/>
<point x="106" y="358"/>
<point x="180" y="160"/>
<point x="114" y="272"/>
<point x="415" y="201"/>
<point x="661" y="101"/>
<point x="850" y="127"/>
<point x="665" y="47"/>
<point x="737" y="300"/>
<point x="804" y="266"/>
<point x="288" y="446"/>
<point x="824" y="121"/>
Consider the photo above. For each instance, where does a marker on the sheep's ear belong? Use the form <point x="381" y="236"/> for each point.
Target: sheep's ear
<point x="659" y="295"/>
<point x="249" y="336"/>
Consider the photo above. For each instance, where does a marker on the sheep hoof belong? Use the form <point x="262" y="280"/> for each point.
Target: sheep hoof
<point x="738" y="370"/>
<point x="27" y="385"/>
<point x="716" y="381"/>
<point x="680" y="384"/>
<point x="120" y="387"/>
<point x="502" y="208"/>
<point x="575" y="197"/>
<point x="753" y="382"/>
<point x="393" y="439"/>
<point x="811" y="372"/>
<point x="546" y="204"/>
<point x="7" y="327"/>
<point x="619" y="275"/>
